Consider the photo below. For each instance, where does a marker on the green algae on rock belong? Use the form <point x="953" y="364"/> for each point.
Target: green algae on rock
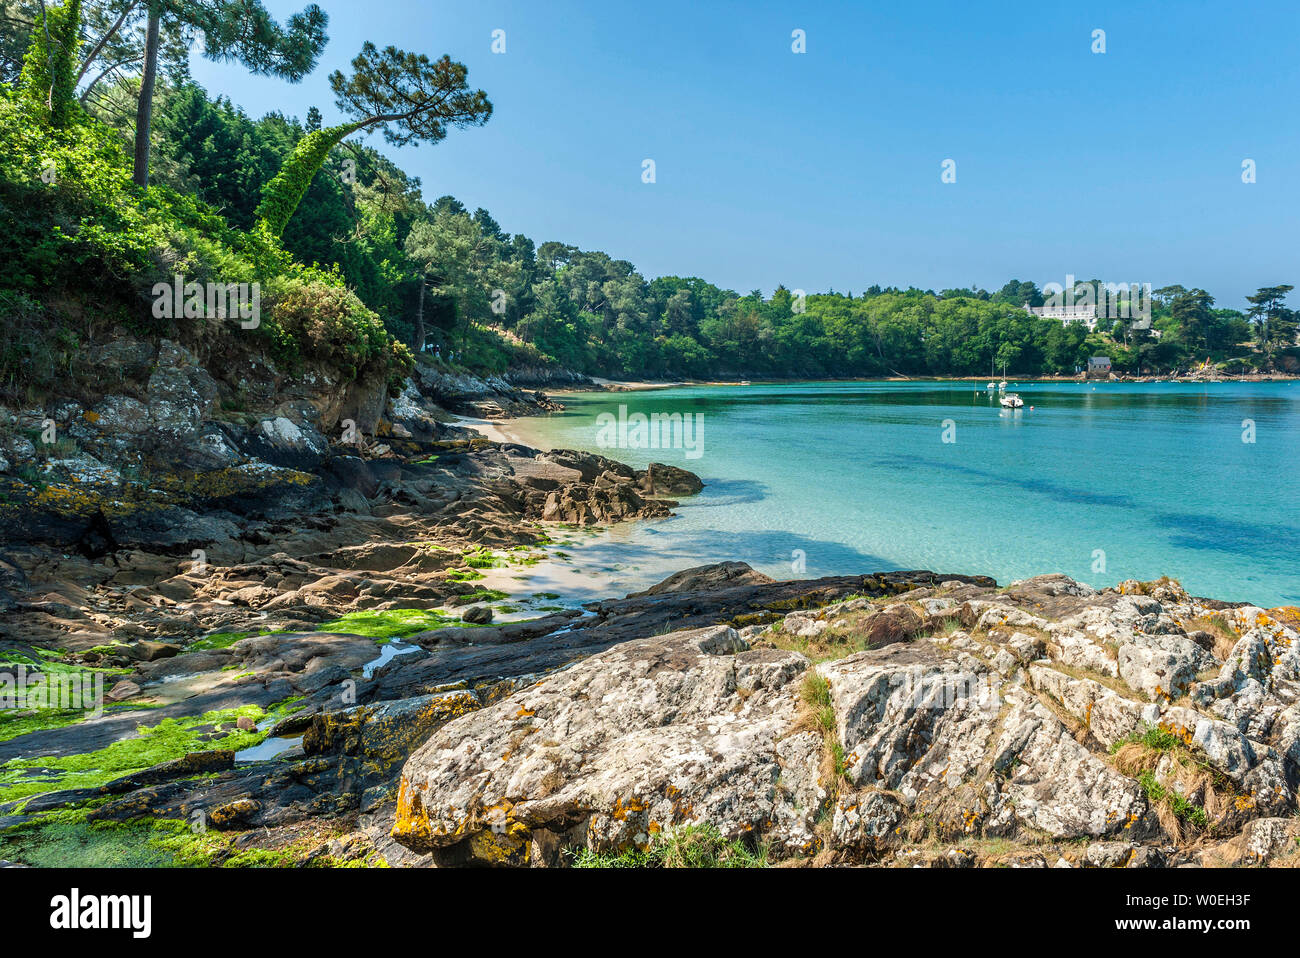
<point x="169" y="739"/>
<point x="390" y="623"/>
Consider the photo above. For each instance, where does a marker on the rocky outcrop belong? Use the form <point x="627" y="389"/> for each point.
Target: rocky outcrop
<point x="489" y="397"/>
<point x="166" y="449"/>
<point x="356" y="715"/>
<point x="169" y="504"/>
<point x="608" y="753"/>
<point x="898" y="719"/>
<point x="1045" y="724"/>
<point x="291" y="552"/>
<point x="707" y="578"/>
<point x="661" y="479"/>
<point x="547" y="377"/>
<point x="269" y="537"/>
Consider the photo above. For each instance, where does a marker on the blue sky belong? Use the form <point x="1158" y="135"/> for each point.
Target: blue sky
<point x="822" y="170"/>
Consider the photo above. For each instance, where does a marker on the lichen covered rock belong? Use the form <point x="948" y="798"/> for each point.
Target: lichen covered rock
<point x="691" y="727"/>
<point x="1011" y="732"/>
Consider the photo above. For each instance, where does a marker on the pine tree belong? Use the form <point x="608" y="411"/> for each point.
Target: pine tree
<point x="239" y="30"/>
<point x="1274" y="323"/>
<point x="410" y="98"/>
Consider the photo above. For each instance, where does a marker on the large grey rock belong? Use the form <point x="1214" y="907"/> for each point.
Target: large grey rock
<point x="954" y="741"/>
<point x="1161" y="666"/>
<point x="284" y="442"/>
<point x="648" y="736"/>
<point x="181" y="393"/>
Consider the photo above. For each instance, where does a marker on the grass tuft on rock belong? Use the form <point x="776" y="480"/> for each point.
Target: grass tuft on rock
<point x="690" y="846"/>
<point x="1167" y="769"/>
<point x="817" y="714"/>
<point x="1225" y="636"/>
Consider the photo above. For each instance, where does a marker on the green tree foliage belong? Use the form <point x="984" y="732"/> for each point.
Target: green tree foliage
<point x="17" y="19"/>
<point x="379" y="263"/>
<point x="1192" y="315"/>
<point x="1016" y="293"/>
<point x="281" y="196"/>
<point x="1274" y="323"/>
<point x="352" y="218"/>
<point x="111" y="47"/>
<point x="80" y="246"/>
<point x="463" y="263"/>
<point x="408" y="97"/>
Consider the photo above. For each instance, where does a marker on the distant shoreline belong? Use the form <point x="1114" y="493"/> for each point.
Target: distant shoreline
<point x="616" y="386"/>
<point x="500" y="430"/>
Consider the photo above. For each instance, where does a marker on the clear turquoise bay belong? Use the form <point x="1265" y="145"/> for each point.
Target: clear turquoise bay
<point x="856" y="476"/>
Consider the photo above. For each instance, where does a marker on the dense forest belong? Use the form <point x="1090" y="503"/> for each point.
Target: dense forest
<point x="118" y="171"/>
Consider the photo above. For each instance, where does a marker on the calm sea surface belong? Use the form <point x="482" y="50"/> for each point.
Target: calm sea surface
<point x="1103" y="482"/>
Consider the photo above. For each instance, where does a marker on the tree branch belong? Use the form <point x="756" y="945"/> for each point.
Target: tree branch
<point x="106" y="71"/>
<point x="99" y="47"/>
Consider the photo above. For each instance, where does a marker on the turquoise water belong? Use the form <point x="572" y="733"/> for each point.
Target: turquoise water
<point x="1103" y="482"/>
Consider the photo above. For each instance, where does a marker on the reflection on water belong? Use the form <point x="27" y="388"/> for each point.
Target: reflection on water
<point x="267" y="749"/>
<point x="387" y="652"/>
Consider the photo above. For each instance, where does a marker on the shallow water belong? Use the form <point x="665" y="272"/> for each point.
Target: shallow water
<point x="1103" y="482"/>
<point x="267" y="749"/>
<point x="387" y="652"/>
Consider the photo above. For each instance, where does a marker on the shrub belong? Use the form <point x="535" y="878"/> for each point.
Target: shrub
<point x="312" y="318"/>
<point x="690" y="846"/>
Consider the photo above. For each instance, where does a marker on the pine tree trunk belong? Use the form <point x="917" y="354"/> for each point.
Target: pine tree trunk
<point x="419" y="321"/>
<point x="144" y="111"/>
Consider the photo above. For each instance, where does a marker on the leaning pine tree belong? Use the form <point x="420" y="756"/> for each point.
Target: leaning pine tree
<point x="406" y="95"/>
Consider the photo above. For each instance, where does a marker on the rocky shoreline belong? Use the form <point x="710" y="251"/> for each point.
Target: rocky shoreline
<point x="301" y="665"/>
<point x="150" y="527"/>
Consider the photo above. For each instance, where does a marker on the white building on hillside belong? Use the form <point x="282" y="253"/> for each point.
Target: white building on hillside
<point x="1085" y="313"/>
